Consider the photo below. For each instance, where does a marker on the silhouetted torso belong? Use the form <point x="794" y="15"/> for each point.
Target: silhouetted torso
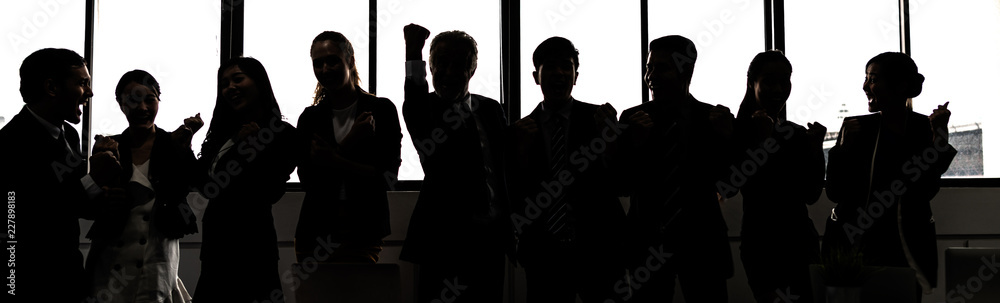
<point x="673" y="177"/>
<point x="239" y="250"/>
<point x="41" y="178"/>
<point x="452" y="214"/>
<point x="848" y="174"/>
<point x="341" y="205"/>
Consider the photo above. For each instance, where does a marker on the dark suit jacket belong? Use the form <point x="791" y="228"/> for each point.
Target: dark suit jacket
<point x="41" y="180"/>
<point x="595" y="210"/>
<point x="450" y="223"/>
<point x="779" y="176"/>
<point x="364" y="215"/>
<point x="673" y="176"/>
<point x="169" y="168"/>
<point x="237" y="224"/>
<point x="848" y="172"/>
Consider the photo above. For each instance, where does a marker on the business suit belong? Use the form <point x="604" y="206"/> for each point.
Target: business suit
<point x="902" y="176"/>
<point x="42" y="179"/>
<point x="138" y="237"/>
<point x="239" y="253"/>
<point x="460" y="226"/>
<point x="170" y="165"/>
<point x="779" y="176"/>
<point x="362" y="215"/>
<point x="672" y="176"/>
<point x="588" y="259"/>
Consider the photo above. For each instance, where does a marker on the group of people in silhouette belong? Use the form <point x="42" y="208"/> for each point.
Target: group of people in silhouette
<point x="542" y="191"/>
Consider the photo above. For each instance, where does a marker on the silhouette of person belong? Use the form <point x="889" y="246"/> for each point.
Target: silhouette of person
<point x="348" y="162"/>
<point x="674" y="150"/>
<point x="460" y="227"/>
<point x="884" y="171"/>
<point x="46" y="181"/>
<point x="570" y="242"/>
<point x="245" y="161"/>
<point x="779" y="168"/>
<point x="140" y="236"/>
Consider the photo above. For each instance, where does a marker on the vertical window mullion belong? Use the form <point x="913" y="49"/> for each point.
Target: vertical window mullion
<point x="372" y="45"/>
<point x="644" y="48"/>
<point x="904" y="27"/>
<point x="510" y="29"/>
<point x="88" y="54"/>
<point x="232" y="30"/>
<point x="768" y="26"/>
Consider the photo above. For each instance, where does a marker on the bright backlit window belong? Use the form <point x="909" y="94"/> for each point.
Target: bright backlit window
<point x="182" y="56"/>
<point x="27" y="27"/>
<point x="828" y="62"/>
<point x="479" y="20"/>
<point x="610" y="52"/>
<point x="956" y="45"/>
<point x="727" y="35"/>
<point x="280" y="33"/>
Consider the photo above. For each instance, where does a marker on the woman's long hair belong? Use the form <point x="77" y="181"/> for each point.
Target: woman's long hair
<point x="225" y="121"/>
<point x="749" y="104"/>
<point x="348" y="49"/>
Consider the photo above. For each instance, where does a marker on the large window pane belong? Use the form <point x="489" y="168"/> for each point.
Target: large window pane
<point x="28" y="26"/>
<point x="480" y="19"/>
<point x="956" y="45"/>
<point x="284" y="50"/>
<point x="610" y="52"/>
<point x="828" y="44"/>
<point x="727" y="35"/>
<point x="175" y="41"/>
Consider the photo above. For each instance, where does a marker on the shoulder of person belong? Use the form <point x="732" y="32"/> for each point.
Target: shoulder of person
<point x="702" y="106"/>
<point x="484" y="100"/>
<point x="161" y="134"/>
<point x="18" y="123"/>
<point x="797" y="132"/>
<point x="918" y="116"/>
<point x="122" y="138"/>
<point x="380" y="102"/>
<point x="309" y="113"/>
<point x="632" y="110"/>
<point x="586" y="105"/>
<point x="794" y="125"/>
<point x="866" y="117"/>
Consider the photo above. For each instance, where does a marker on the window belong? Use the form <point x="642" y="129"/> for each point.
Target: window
<point x="828" y="53"/>
<point x="439" y="16"/>
<point x="610" y="52"/>
<point x="727" y="34"/>
<point x="284" y="49"/>
<point x="955" y="45"/>
<point x="182" y="56"/>
<point x="30" y="26"/>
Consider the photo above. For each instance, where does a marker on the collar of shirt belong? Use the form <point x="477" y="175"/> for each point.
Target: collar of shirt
<point x="468" y="101"/>
<point x="52" y="129"/>
<point x="564" y="111"/>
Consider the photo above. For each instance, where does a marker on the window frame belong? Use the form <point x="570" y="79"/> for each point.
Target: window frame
<point x="232" y="37"/>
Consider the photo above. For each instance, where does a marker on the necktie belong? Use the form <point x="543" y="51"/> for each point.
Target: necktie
<point x="558" y="222"/>
<point x="491" y="211"/>
<point x="69" y="148"/>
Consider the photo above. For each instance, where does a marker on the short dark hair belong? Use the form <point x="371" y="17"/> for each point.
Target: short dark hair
<point x="682" y="52"/>
<point x="47" y="63"/>
<point x="140" y="77"/>
<point x="554" y="48"/>
<point x="460" y="38"/>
